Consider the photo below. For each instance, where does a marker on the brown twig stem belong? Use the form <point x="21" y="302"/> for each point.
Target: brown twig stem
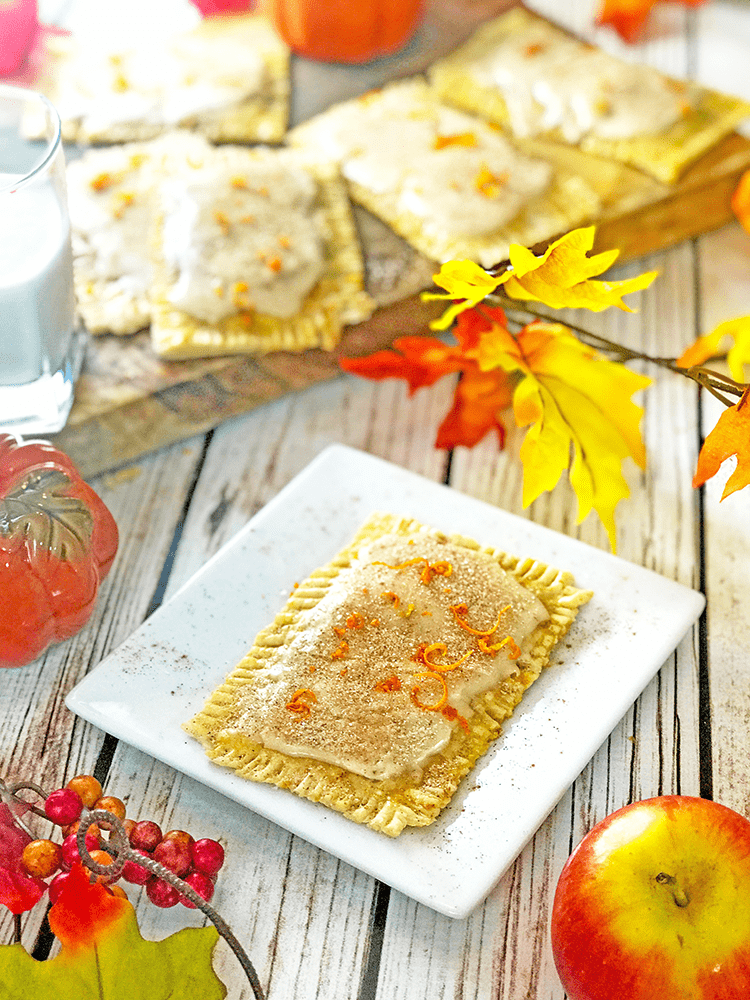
<point x="716" y="383"/>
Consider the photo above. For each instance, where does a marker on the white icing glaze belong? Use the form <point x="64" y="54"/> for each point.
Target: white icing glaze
<point x="159" y="82"/>
<point x="110" y="215"/>
<point x="549" y="80"/>
<point x="241" y="240"/>
<point x="460" y="176"/>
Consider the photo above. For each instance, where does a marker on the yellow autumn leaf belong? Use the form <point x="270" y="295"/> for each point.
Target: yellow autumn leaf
<point x="466" y="283"/>
<point x="577" y="406"/>
<point x="707" y="346"/>
<point x="561" y="277"/>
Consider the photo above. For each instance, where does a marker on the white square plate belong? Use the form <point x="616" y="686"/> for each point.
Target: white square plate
<point x="162" y="674"/>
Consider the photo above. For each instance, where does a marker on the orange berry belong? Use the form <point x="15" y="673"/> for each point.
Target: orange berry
<point x="111" y="804"/>
<point x="180" y="835"/>
<point x="41" y="858"/>
<point x="92" y="831"/>
<point x="87" y="787"/>
<point x="102" y="858"/>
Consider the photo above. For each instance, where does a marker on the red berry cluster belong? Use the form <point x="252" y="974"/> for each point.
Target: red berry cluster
<point x="197" y="862"/>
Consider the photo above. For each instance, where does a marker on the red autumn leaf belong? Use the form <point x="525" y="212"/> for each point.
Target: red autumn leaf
<point x="730" y="436"/>
<point x="628" y="17"/>
<point x="422" y="361"/>
<point x="84" y="914"/>
<point x="18" y="890"/>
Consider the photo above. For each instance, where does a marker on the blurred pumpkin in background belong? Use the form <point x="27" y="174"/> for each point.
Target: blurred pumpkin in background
<point x="346" y="31"/>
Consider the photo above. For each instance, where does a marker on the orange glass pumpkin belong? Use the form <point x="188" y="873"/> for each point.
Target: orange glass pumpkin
<point x="347" y="31"/>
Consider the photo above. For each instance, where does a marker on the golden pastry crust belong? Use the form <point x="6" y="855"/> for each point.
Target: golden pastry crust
<point x="413" y="797"/>
<point x="568" y="202"/>
<point x="111" y="96"/>
<point x="337" y="298"/>
<point x="565" y="201"/>
<point x="708" y="116"/>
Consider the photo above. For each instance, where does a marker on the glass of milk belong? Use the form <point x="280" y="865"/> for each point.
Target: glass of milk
<point x="41" y="342"/>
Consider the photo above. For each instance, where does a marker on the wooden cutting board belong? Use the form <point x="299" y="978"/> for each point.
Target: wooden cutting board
<point x="129" y="402"/>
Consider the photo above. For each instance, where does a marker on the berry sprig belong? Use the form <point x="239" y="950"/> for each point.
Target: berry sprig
<point x="195" y="862"/>
<point x="138" y="852"/>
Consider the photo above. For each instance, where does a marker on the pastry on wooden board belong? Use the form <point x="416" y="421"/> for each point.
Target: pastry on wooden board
<point x="389" y="673"/>
<point x="254" y="250"/>
<point x="537" y="80"/>
<point x="448" y="182"/>
<point x="110" y="200"/>
<point x="228" y="79"/>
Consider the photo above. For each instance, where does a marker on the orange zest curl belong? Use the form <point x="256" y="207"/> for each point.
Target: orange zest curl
<point x="461" y="610"/>
<point x="489" y="184"/>
<point x="296" y="703"/>
<point x="355" y="621"/>
<point x="428" y="571"/>
<point x="222" y="219"/>
<point x="409" y="562"/>
<point x="102" y="181"/>
<point x="123" y="200"/>
<point x="443" y="700"/>
<point x="393" y="598"/>
<point x="388" y="685"/>
<point x="425" y="651"/>
<point x="452" y="715"/>
<point x="458" y="139"/>
<point x="515" y="650"/>
<point x="484" y="647"/>
<point x="435" y="569"/>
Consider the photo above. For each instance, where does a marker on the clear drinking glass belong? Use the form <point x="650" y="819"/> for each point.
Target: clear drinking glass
<point x="41" y="344"/>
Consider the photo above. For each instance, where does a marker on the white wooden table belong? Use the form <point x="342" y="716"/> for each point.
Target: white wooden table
<point x="316" y="928"/>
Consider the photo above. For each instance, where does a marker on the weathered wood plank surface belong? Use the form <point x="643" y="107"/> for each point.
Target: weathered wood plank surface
<point x="318" y="929"/>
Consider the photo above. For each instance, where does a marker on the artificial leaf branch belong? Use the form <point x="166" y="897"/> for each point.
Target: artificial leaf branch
<point x="569" y="386"/>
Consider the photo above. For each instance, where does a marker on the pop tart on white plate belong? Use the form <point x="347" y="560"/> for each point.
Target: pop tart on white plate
<point x="389" y="673"/>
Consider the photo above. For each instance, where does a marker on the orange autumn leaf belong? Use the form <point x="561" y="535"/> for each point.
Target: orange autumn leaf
<point x="421" y="361"/>
<point x="628" y="17"/>
<point x="577" y="406"/>
<point x="730" y="437"/>
<point x="741" y="201"/>
<point x="737" y="330"/>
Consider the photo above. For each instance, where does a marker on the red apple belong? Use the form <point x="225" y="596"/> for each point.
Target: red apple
<point x="655" y="903"/>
